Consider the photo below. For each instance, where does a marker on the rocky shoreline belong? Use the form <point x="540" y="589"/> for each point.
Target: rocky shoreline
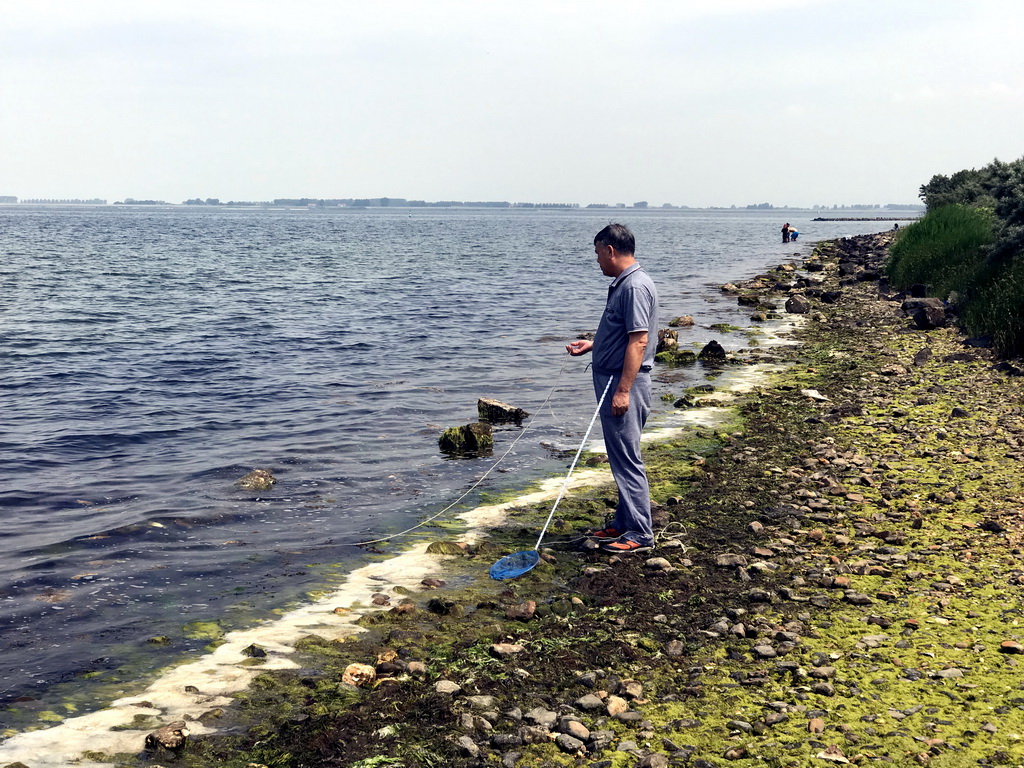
<point x="837" y="580"/>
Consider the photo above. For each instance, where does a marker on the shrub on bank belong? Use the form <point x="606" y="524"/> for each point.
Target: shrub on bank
<point x="996" y="308"/>
<point x="951" y="250"/>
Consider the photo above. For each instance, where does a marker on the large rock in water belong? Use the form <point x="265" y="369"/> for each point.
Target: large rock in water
<point x="172" y="737"/>
<point x="712" y="351"/>
<point x="798" y="304"/>
<point x="497" y="412"/>
<point x="667" y="339"/>
<point x="470" y="439"/>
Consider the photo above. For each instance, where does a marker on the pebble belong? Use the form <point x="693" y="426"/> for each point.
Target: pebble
<point x="616" y="705"/>
<point x="503" y="650"/>
<point x="447" y="686"/>
<point x="659" y="564"/>
<point x="569" y="744"/>
<point x="541" y="716"/>
<point x="468" y="747"/>
<point x="589" y="703"/>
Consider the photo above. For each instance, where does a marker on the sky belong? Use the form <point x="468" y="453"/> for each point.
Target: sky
<point x="687" y="102"/>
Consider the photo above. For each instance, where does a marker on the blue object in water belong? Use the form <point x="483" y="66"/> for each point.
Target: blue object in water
<point x="793" y="234"/>
<point x="515" y="564"/>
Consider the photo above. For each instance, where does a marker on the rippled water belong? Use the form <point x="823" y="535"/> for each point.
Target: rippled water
<point x="151" y="357"/>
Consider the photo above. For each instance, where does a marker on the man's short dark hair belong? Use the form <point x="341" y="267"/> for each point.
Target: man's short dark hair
<point x="618" y="237"/>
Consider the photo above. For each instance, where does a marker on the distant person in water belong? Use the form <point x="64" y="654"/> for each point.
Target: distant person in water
<point x="793" y="234"/>
<point x="785" y="232"/>
<point x="623" y="348"/>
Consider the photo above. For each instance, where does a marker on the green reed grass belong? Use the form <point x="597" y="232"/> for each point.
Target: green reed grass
<point x="944" y="250"/>
<point x="996" y="307"/>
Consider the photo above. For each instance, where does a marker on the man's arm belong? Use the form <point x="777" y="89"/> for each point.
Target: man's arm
<point x="635" y="348"/>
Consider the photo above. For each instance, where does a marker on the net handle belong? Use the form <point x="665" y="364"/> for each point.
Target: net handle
<point x="579" y="451"/>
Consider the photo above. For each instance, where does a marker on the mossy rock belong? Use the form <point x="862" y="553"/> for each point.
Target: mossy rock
<point x="445" y="548"/>
<point x="469" y="439"/>
<point x="676" y="357"/>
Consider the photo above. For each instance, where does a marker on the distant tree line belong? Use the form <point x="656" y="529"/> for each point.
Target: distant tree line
<point x="49" y="201"/>
<point x="861" y="207"/>
<point x="216" y="201"/>
<point x="401" y="202"/>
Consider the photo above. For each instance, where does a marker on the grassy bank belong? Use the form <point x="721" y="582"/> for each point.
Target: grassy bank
<point x="969" y="249"/>
<point x="837" y="580"/>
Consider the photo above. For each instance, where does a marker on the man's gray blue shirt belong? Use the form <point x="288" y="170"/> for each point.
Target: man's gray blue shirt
<point x="632" y="306"/>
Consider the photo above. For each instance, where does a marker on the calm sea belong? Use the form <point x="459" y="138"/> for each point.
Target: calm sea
<point x="151" y="357"/>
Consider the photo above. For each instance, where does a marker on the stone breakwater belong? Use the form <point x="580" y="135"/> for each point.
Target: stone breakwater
<point x="838" y="579"/>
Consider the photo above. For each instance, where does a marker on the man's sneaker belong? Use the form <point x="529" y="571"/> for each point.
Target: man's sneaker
<point x="625" y="547"/>
<point x="605" y="534"/>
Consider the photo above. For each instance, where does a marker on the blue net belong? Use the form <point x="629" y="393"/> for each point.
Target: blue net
<point x="515" y="564"/>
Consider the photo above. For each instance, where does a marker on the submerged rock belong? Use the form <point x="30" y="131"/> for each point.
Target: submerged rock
<point x="258" y="480"/>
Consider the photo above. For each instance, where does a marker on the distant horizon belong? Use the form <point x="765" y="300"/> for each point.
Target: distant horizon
<point x="398" y="202"/>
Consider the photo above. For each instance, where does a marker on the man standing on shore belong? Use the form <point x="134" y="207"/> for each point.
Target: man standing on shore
<point x="624" y="354"/>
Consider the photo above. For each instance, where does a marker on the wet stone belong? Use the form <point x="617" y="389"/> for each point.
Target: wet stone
<point x="541" y="716"/>
<point x="503" y="650"/>
<point x="654" y="760"/>
<point x="729" y="560"/>
<point x="534" y="734"/>
<point x="600" y="740"/>
<point x="631" y="689"/>
<point x="481" y="702"/>
<point x="589" y="703"/>
<point x="569" y="744"/>
<point x="616" y="705"/>
<point x="172" y="736"/>
<point x="506" y="740"/>
<point x="468" y="747"/>
<point x="523" y="611"/>
<point x="574" y="728"/>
